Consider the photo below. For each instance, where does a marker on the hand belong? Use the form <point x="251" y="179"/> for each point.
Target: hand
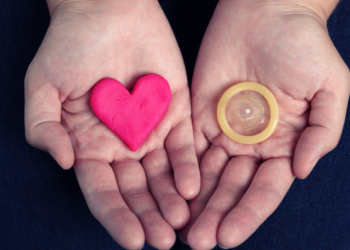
<point x="285" y="47"/>
<point x="136" y="196"/>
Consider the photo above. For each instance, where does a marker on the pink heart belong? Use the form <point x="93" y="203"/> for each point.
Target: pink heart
<point x="131" y="116"/>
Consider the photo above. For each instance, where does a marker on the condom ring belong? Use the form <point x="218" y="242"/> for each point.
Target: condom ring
<point x="248" y="113"/>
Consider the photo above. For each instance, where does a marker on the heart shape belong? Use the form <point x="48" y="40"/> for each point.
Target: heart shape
<point x="131" y="116"/>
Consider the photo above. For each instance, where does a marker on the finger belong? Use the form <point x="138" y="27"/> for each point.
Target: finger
<point x="201" y="142"/>
<point x="133" y="187"/>
<point x="180" y="147"/>
<point x="203" y="118"/>
<point x="327" y="116"/>
<point x="270" y="184"/>
<point x="234" y="182"/>
<point x="42" y="123"/>
<point x="211" y="167"/>
<point x="161" y="183"/>
<point x="100" y="189"/>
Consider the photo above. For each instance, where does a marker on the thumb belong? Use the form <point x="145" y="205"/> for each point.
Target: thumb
<point x="43" y="122"/>
<point x="326" y="121"/>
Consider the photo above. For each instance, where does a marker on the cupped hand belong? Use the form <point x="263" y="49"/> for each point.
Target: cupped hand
<point x="285" y="47"/>
<point x="136" y="196"/>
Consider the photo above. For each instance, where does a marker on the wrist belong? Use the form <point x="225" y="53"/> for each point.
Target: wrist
<point x="53" y="4"/>
<point x="86" y="5"/>
<point x="321" y="9"/>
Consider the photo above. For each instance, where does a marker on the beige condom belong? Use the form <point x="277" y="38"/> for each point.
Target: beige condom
<point x="271" y="101"/>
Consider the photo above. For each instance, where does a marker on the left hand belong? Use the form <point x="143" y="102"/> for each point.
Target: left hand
<point x="285" y="47"/>
<point x="137" y="196"/>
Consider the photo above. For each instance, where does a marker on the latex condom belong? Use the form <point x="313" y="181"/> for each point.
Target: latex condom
<point x="248" y="113"/>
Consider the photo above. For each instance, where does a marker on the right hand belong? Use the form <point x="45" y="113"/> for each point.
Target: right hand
<point x="134" y="195"/>
<point x="286" y="47"/>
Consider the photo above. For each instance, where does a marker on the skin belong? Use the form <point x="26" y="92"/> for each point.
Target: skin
<point x="285" y="46"/>
<point x="137" y="196"/>
<point x="97" y="41"/>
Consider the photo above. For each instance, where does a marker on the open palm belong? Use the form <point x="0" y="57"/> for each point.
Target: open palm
<point x="287" y="49"/>
<point x="136" y="196"/>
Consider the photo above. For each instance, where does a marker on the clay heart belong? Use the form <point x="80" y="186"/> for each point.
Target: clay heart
<point x="131" y="116"/>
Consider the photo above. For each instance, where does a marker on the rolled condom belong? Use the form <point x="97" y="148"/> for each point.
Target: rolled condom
<point x="248" y="113"/>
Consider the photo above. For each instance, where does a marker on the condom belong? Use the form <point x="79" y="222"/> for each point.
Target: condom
<point x="248" y="113"/>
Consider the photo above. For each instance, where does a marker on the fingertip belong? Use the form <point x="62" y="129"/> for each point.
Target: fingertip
<point x="300" y="171"/>
<point x="301" y="175"/>
<point x="312" y="144"/>
<point x="195" y="208"/>
<point x="67" y="160"/>
<point x="222" y="247"/>
<point x="177" y="214"/>
<point x="64" y="159"/>
<point x="54" y="139"/>
<point x="303" y="172"/>
<point x="226" y="237"/>
<point x="167" y="242"/>
<point x="63" y="154"/>
<point x="198" y="240"/>
<point x="129" y="234"/>
<point x="188" y="193"/>
<point x="186" y="173"/>
<point x="54" y="156"/>
<point x="183" y="159"/>
<point x="188" y="181"/>
<point x="159" y="234"/>
<point x="237" y="227"/>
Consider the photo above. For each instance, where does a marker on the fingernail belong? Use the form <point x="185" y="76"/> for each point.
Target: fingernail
<point x="222" y="247"/>
<point x="54" y="156"/>
<point x="312" y="166"/>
